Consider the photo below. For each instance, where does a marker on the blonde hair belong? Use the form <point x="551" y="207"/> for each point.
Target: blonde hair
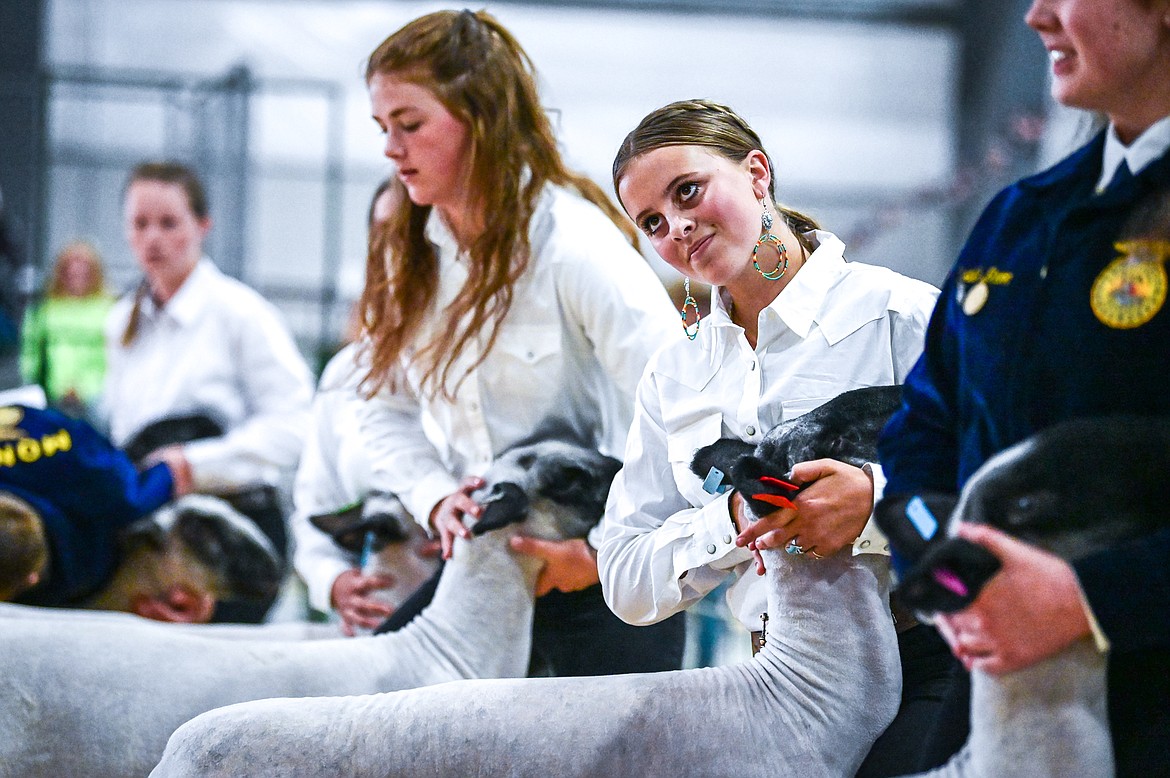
<point x="93" y="260"/>
<point x="483" y="77"/>
<point x="712" y="126"/>
<point x="23" y="547"/>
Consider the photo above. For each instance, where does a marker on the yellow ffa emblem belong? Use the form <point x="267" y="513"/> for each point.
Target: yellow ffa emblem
<point x="975" y="287"/>
<point x="1132" y="288"/>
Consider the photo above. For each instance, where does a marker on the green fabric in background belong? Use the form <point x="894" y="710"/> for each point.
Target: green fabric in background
<point x="63" y="346"/>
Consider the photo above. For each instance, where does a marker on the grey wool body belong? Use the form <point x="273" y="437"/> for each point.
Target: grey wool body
<point x="811" y="704"/>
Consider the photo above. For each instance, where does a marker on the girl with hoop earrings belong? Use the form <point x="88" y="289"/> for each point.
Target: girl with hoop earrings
<point x="792" y="325"/>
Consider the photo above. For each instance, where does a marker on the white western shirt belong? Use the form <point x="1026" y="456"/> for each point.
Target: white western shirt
<point x="585" y="318"/>
<point x="218" y="347"/>
<point x="836" y="326"/>
<point x="333" y="474"/>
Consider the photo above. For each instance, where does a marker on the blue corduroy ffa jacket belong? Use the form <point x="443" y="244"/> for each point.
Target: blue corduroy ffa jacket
<point x="85" y="490"/>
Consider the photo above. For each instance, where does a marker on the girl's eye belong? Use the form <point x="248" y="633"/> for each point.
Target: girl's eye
<point x="650" y="224"/>
<point x="687" y="191"/>
<point x="411" y="127"/>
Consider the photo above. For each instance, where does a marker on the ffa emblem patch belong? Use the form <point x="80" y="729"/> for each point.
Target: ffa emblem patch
<point x="1132" y="288"/>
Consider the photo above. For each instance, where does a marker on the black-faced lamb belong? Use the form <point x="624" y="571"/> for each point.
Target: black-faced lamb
<point x="101" y="700"/>
<point x="388" y="542"/>
<point x="199" y="543"/>
<point x="1075" y="488"/>
<point x="811" y="703"/>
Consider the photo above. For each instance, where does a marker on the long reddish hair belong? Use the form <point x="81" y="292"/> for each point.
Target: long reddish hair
<point x="483" y="77"/>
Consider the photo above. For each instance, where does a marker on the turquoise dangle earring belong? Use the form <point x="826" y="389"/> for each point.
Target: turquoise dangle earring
<point x="775" y="242"/>
<point x="689" y="302"/>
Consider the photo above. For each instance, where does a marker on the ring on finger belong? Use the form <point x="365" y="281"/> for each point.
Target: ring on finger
<point x="815" y="555"/>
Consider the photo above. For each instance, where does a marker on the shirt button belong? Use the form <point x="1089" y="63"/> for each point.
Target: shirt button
<point x="753" y="366"/>
<point x="710" y="548"/>
<point x="865" y="544"/>
<point x="751" y="430"/>
<point x="727" y="538"/>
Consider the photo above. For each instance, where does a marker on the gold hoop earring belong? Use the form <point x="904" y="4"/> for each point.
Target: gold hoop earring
<point x="768" y="238"/>
<point x="689" y="302"/>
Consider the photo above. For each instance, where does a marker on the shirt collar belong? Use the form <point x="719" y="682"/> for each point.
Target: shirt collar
<point x="190" y="298"/>
<point x="804" y="296"/>
<point x="440" y="235"/>
<point x="1148" y="146"/>
<point x="799" y="303"/>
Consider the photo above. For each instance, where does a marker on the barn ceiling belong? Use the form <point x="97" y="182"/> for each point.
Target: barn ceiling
<point x="930" y="12"/>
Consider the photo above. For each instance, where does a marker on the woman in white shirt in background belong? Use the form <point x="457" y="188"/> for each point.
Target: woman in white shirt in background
<point x="334" y="473"/>
<point x="792" y="325"/>
<point x="505" y="298"/>
<point x="191" y="341"/>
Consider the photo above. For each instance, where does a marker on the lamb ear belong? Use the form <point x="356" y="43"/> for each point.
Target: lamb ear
<point x="721" y="455"/>
<point x="577" y="486"/>
<point x="913" y="522"/>
<point x="338" y="523"/>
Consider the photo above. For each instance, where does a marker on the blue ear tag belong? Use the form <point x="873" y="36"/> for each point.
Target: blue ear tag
<point x="367" y="549"/>
<point x="921" y="517"/>
<point x="713" y="483"/>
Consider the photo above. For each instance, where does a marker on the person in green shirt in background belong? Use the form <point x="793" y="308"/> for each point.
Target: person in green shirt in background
<point x="63" y="341"/>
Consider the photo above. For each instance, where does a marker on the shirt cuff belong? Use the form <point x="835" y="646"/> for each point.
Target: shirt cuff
<point x="426" y="494"/>
<point x="872" y="540"/>
<point x="595" y="536"/>
<point x="214" y="469"/>
<point x="713" y="539"/>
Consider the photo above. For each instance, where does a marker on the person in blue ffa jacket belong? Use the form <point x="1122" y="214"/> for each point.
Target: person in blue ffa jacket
<point x="84" y="492"/>
<point x="1056" y="310"/>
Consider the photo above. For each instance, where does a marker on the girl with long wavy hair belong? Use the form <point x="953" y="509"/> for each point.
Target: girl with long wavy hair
<point x="505" y="298"/>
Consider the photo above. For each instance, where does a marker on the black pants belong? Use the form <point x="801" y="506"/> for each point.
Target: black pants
<point x="928" y="677"/>
<point x="575" y="633"/>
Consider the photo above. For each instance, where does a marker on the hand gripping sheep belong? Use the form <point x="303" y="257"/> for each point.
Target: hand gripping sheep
<point x="810" y="703"/>
<point x="100" y="699"/>
<point x="1076" y="488"/>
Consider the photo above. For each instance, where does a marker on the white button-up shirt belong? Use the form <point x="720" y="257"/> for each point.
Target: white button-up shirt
<point x="585" y="318"/>
<point x="217" y="347"/>
<point x="836" y="326"/>
<point x="333" y="474"/>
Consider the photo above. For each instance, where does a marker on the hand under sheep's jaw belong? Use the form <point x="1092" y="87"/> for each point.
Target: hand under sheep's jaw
<point x="1074" y="489"/>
